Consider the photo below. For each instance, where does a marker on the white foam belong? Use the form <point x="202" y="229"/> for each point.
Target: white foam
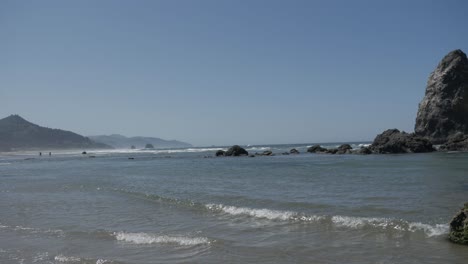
<point x="144" y="238"/>
<point x="102" y="261"/>
<point x="387" y="223"/>
<point x="258" y="148"/>
<point x="258" y="213"/>
<point x="356" y="222"/>
<point x="62" y="258"/>
<point x="430" y="230"/>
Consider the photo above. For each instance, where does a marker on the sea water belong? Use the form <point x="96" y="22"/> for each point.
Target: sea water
<point x="187" y="206"/>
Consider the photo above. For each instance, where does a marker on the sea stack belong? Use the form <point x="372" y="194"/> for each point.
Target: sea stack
<point x="443" y="112"/>
<point x="459" y="227"/>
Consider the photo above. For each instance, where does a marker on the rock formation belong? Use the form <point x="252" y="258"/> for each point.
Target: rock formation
<point x="444" y="108"/>
<point x="316" y="149"/>
<point x="459" y="227"/>
<point x="236" y="151"/>
<point x="220" y="153"/>
<point x="394" y="141"/>
<point x="456" y="142"/>
<point x="149" y="146"/>
<point x="294" y="151"/>
<point x="344" y="149"/>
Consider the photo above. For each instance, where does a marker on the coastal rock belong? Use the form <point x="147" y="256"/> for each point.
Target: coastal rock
<point x="265" y="153"/>
<point x="456" y="142"/>
<point x="294" y="151"/>
<point x="236" y="151"/>
<point x="149" y="146"/>
<point x="132" y="147"/>
<point x="220" y="153"/>
<point x="364" y="151"/>
<point x="444" y="108"/>
<point x="394" y="141"/>
<point x="316" y="149"/>
<point x="344" y="149"/>
<point x="459" y="226"/>
<point x="331" y="151"/>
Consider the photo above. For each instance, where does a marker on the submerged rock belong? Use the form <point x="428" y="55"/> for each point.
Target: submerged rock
<point x="236" y="151"/>
<point x="316" y="148"/>
<point x="294" y="151"/>
<point x="394" y="141"/>
<point x="220" y="153"/>
<point x="459" y="227"/>
<point x="444" y="108"/>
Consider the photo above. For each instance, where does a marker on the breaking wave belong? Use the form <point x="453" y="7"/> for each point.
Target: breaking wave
<point x="336" y="221"/>
<point x="144" y="238"/>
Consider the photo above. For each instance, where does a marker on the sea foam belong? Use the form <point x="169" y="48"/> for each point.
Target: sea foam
<point x="338" y="221"/>
<point x="144" y="238"/>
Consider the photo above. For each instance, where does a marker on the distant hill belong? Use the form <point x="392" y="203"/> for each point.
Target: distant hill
<point x="122" y="142"/>
<point x="18" y="134"/>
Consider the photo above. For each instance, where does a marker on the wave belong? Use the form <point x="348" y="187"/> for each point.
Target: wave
<point x="32" y="230"/>
<point x="62" y="258"/>
<point x="144" y="238"/>
<point x="71" y="259"/>
<point x="337" y="220"/>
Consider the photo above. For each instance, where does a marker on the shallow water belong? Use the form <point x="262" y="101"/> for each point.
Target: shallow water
<point x="176" y="206"/>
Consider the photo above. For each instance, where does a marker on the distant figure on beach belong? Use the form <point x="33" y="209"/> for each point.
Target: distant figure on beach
<point x="40" y="153"/>
<point x="50" y="153"/>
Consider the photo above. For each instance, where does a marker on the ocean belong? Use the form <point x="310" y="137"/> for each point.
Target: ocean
<point x="187" y="206"/>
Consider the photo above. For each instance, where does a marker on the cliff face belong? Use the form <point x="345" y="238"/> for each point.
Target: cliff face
<point x="18" y="134"/>
<point x="444" y="109"/>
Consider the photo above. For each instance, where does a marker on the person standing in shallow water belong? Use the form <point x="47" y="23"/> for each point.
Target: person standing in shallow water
<point x="50" y="153"/>
<point x="40" y="153"/>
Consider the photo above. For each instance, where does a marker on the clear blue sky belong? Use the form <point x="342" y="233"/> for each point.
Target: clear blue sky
<point x="224" y="72"/>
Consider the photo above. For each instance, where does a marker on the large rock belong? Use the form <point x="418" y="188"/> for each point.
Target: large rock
<point x="149" y="146"/>
<point x="444" y="109"/>
<point x="459" y="226"/>
<point x="316" y="148"/>
<point x="220" y="153"/>
<point x="344" y="149"/>
<point x="236" y="151"/>
<point x="394" y="141"/>
<point x="456" y="142"/>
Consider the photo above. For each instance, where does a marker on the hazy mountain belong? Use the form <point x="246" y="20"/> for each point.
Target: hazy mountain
<point x="18" y="134"/>
<point x="119" y="141"/>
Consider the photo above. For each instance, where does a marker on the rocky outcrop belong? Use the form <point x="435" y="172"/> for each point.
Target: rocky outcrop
<point x="316" y="149"/>
<point x="364" y="151"/>
<point x="394" y="141"/>
<point x="265" y="153"/>
<point x="444" y="108"/>
<point x="456" y="142"/>
<point x="294" y="151"/>
<point x="149" y="146"/>
<point x="459" y="227"/>
<point x="236" y="151"/>
<point x="220" y="153"/>
<point x="344" y="149"/>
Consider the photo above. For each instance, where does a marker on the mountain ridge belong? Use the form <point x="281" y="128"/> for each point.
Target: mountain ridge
<point x="120" y="141"/>
<point x="16" y="133"/>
